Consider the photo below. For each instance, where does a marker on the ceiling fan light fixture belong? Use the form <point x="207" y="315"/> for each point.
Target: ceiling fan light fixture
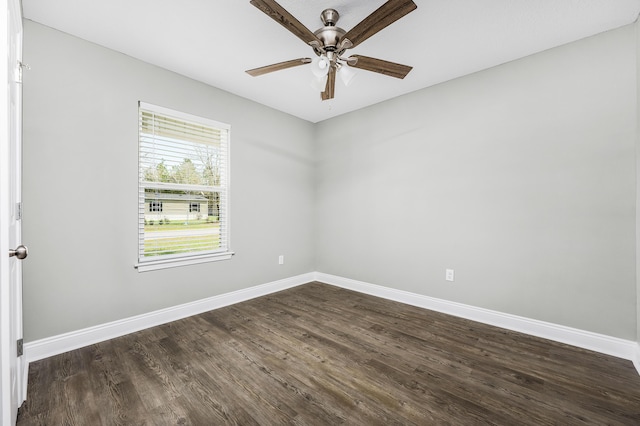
<point x="346" y="74"/>
<point x="320" y="66"/>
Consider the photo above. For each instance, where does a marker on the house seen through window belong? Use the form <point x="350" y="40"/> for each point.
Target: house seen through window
<point x="155" y="206"/>
<point x="183" y="188"/>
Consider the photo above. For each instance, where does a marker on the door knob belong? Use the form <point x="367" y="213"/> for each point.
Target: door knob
<point x="20" y="252"/>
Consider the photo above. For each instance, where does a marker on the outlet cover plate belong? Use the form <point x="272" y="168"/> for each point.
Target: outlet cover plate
<point x="449" y="275"/>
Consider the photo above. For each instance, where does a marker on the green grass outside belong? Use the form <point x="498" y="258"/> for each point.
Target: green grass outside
<point x="182" y="244"/>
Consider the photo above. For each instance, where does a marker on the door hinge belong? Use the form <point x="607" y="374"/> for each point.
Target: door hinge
<point x="21" y="67"/>
<point x="20" y="347"/>
<point x="19" y="211"/>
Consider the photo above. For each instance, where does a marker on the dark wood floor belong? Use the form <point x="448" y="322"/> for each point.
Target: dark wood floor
<point x="320" y="355"/>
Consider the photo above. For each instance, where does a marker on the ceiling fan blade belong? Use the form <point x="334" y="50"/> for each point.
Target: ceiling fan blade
<point x="330" y="88"/>
<point x="384" y="16"/>
<point x="277" y="67"/>
<point x="383" y="67"/>
<point x="284" y="18"/>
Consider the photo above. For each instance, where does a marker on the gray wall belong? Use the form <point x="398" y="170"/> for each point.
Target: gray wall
<point x="80" y="187"/>
<point x="521" y="178"/>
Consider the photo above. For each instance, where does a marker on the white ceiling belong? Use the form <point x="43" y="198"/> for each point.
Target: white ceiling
<point x="215" y="41"/>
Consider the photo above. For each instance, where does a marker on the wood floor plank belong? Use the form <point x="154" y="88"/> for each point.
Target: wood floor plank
<point x="149" y="371"/>
<point x="336" y="357"/>
<point x="279" y="370"/>
<point x="321" y="355"/>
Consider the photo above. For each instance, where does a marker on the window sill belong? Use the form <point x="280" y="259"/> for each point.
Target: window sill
<point x="154" y="265"/>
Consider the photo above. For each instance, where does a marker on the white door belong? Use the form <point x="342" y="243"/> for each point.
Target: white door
<point x="12" y="371"/>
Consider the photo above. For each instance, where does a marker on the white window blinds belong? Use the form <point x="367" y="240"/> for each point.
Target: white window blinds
<point x="183" y="186"/>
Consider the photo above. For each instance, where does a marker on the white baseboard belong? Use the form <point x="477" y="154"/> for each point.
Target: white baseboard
<point x="614" y="346"/>
<point x="55" y="345"/>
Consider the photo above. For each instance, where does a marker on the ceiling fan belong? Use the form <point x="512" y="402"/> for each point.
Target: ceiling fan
<point x="330" y="42"/>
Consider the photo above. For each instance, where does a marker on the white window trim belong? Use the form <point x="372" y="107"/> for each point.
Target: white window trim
<point x="154" y="265"/>
<point x="185" y="260"/>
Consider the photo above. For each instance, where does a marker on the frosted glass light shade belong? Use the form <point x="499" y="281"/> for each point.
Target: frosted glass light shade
<point x="320" y="66"/>
<point x="346" y="74"/>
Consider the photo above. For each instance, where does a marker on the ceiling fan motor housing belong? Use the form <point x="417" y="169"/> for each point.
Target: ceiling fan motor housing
<point x="330" y="35"/>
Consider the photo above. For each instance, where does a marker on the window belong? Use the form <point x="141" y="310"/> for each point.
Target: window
<point x="183" y="169"/>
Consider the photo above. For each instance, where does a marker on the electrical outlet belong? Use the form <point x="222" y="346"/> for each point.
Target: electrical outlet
<point x="449" y="275"/>
<point x="281" y="259"/>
